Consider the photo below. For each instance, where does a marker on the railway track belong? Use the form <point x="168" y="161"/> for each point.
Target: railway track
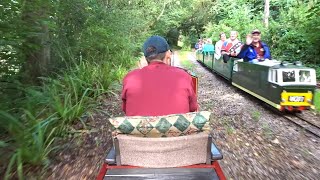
<point x="311" y="126"/>
<point x="307" y="125"/>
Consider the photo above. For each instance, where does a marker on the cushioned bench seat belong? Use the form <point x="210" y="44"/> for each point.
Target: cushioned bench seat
<point x="177" y="146"/>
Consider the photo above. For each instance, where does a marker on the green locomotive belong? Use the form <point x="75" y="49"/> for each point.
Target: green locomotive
<point x="285" y="86"/>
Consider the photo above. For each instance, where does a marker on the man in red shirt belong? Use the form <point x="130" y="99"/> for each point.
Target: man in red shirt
<point x="158" y="89"/>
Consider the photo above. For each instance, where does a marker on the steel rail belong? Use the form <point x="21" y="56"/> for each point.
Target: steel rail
<point x="304" y="124"/>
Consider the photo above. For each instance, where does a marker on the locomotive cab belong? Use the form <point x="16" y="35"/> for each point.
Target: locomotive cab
<point x="287" y="77"/>
<point x="296" y="84"/>
<point x="286" y="87"/>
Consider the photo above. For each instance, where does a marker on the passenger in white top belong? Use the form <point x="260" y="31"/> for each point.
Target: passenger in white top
<point x="219" y="44"/>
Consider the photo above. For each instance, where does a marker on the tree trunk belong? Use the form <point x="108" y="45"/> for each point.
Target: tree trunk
<point x="37" y="44"/>
<point x="165" y="3"/>
<point x="266" y="13"/>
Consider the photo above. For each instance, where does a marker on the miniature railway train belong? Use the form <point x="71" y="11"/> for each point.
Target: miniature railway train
<point x="285" y="86"/>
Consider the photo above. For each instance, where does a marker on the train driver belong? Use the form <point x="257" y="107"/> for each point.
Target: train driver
<point x="255" y="50"/>
<point x="158" y="89"/>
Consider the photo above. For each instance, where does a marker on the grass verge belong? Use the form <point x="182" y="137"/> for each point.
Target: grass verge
<point x="184" y="60"/>
<point x="317" y="100"/>
<point x="45" y="112"/>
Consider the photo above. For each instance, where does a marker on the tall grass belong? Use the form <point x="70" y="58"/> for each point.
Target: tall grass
<point x="184" y="60"/>
<point x="317" y="100"/>
<point x="48" y="111"/>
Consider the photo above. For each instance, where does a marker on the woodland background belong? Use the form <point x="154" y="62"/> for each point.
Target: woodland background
<point x="59" y="58"/>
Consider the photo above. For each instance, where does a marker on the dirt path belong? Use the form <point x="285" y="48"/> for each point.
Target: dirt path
<point x="256" y="143"/>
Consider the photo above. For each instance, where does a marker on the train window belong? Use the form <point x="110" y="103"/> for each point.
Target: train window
<point x="288" y="76"/>
<point x="273" y="77"/>
<point x="235" y="66"/>
<point x="304" y="76"/>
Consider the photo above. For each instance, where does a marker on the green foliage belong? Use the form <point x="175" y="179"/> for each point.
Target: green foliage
<point x="57" y="58"/>
<point x="48" y="110"/>
<point x="317" y="100"/>
<point x="293" y="26"/>
<point x="228" y="126"/>
<point x="266" y="130"/>
<point x="185" y="61"/>
<point x="186" y="43"/>
<point x="233" y="15"/>
<point x="256" y="115"/>
<point x="31" y="138"/>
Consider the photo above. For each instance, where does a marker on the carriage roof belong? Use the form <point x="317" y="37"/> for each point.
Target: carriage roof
<point x="275" y="64"/>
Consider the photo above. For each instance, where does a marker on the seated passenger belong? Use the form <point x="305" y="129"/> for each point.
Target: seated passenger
<point x="254" y="50"/>
<point x="208" y="48"/>
<point x="158" y="89"/>
<point x="219" y="44"/>
<point x="199" y="45"/>
<point x="231" y="47"/>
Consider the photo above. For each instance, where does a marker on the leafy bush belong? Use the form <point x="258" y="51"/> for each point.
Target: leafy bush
<point x="292" y="33"/>
<point x="317" y="100"/>
<point x="237" y="17"/>
<point x="49" y="109"/>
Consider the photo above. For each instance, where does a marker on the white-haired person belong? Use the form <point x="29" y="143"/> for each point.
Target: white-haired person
<point x="231" y="47"/>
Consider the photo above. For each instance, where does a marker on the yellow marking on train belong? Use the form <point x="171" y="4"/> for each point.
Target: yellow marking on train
<point x="257" y="96"/>
<point x="296" y="99"/>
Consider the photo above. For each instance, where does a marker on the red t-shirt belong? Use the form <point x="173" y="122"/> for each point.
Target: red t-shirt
<point x="158" y="89"/>
<point x="228" y="47"/>
<point x="259" y="49"/>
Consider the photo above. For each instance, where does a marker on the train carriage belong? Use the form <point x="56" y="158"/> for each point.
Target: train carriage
<point x="222" y="68"/>
<point x="207" y="59"/>
<point x="199" y="55"/>
<point x="285" y="86"/>
<point x="219" y="67"/>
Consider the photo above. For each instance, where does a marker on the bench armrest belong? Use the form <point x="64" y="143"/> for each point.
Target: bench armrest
<point x="215" y="153"/>
<point x="111" y="157"/>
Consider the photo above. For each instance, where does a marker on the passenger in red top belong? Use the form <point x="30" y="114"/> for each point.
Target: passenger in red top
<point x="158" y="89"/>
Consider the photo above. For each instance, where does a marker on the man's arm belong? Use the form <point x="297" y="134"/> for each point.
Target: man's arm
<point x="238" y="50"/>
<point x="267" y="54"/>
<point x="123" y="96"/>
<point x="193" y="102"/>
<point x="243" y="51"/>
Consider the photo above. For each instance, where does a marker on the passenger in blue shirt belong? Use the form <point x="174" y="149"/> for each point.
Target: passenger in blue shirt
<point x="254" y="50"/>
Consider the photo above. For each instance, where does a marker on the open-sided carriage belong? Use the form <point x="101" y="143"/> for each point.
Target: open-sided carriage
<point x="186" y="155"/>
<point x="195" y="149"/>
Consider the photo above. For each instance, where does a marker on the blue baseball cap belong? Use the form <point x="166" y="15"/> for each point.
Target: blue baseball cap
<point x="155" y="45"/>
